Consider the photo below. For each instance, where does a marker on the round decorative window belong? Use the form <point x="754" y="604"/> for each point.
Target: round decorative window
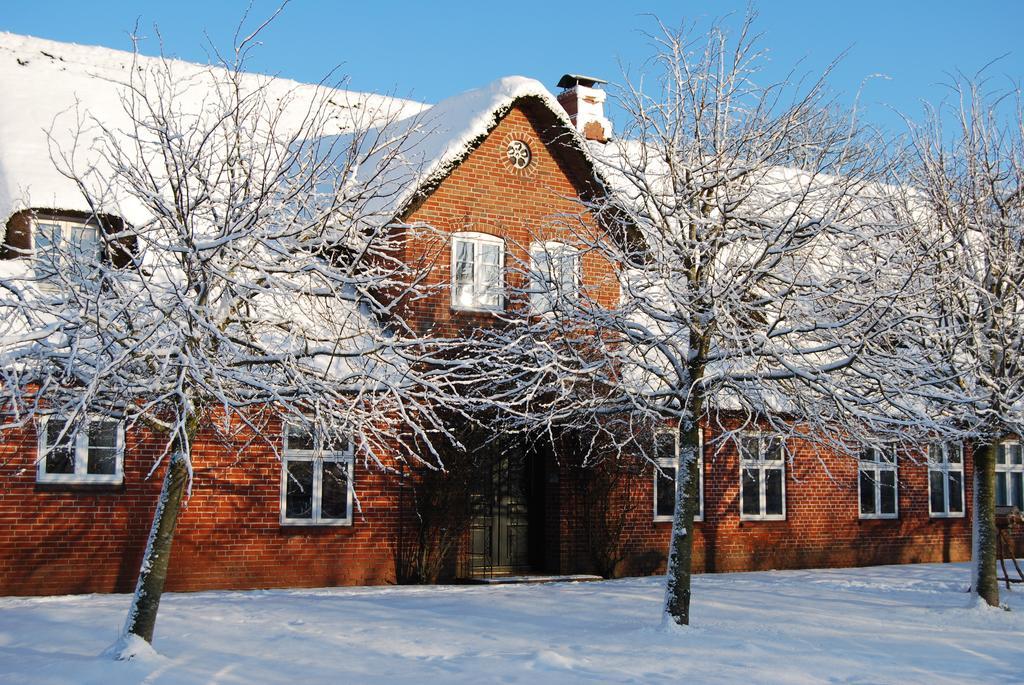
<point x="518" y="154"/>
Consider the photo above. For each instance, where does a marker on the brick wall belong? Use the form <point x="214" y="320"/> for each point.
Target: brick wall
<point x="58" y="539"/>
<point x="821" y="528"/>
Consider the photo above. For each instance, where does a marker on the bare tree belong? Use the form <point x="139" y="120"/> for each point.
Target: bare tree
<point x="756" y="256"/>
<point x="259" y="281"/>
<point x="965" y="195"/>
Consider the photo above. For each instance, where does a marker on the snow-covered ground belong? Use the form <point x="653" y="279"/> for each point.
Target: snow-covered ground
<point x="890" y="624"/>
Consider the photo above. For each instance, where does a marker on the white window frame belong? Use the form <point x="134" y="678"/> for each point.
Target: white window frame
<point x="944" y="466"/>
<point x="67" y="226"/>
<point x="479" y="286"/>
<point x="317" y="456"/>
<point x="81" y="442"/>
<point x="762" y="465"/>
<point x="1006" y="469"/>
<point x="877" y="465"/>
<point x="673" y="463"/>
<point x="542" y="298"/>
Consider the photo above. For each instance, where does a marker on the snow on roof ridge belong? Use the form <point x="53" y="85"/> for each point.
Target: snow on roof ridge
<point x="43" y="78"/>
<point x="44" y="81"/>
<point x="447" y="131"/>
<point x="95" y="59"/>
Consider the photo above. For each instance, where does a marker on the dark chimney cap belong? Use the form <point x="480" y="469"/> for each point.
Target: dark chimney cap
<point x="573" y="80"/>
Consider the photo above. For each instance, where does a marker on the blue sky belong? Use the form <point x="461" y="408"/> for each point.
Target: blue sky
<point x="430" y="50"/>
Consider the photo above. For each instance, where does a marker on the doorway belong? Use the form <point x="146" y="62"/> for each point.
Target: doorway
<point x="508" y="499"/>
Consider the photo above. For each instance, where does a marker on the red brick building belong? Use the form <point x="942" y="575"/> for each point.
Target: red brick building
<point x="493" y="195"/>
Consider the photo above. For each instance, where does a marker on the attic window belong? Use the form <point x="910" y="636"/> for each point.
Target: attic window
<point x="518" y="150"/>
<point x="518" y="154"/>
<point x="56" y="241"/>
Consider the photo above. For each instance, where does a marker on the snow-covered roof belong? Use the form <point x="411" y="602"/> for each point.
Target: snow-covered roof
<point x="49" y="86"/>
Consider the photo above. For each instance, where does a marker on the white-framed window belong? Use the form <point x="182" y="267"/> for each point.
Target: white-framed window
<point x="55" y="241"/>
<point x="1010" y="475"/>
<point x="90" y="452"/>
<point x="876" y="483"/>
<point x="478" y="268"/>
<point x="554" y="275"/>
<point x="665" y="481"/>
<point x="762" y="477"/>
<point x="316" y="480"/>
<point x="946" y="480"/>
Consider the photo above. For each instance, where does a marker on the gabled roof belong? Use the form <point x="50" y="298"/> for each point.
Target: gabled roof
<point x="49" y="87"/>
<point x="441" y="137"/>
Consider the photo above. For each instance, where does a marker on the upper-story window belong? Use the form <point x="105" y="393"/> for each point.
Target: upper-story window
<point x="56" y="241"/>
<point x="946" y="479"/>
<point x="554" y="275"/>
<point x="89" y="452"/>
<point x="316" y="480"/>
<point x="478" y="263"/>
<point x="762" y="477"/>
<point x="876" y="483"/>
<point x="666" y="480"/>
<point x="1010" y="475"/>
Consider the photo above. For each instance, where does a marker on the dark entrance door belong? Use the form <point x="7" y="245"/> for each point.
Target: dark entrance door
<point x="500" y="532"/>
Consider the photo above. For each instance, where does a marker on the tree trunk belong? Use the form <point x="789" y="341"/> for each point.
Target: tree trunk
<point x="680" y="555"/>
<point x="153" y="573"/>
<point x="984" y="530"/>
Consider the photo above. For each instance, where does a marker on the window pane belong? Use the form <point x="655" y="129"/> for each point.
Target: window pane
<point x="956" y="453"/>
<point x="1017" y="489"/>
<point x="299" y="439"/>
<point x="1001" y="489"/>
<point x="490" y="254"/>
<point x="298" y="489"/>
<point x="464" y="295"/>
<point x="665" y="492"/>
<point x="937" y="481"/>
<point x="773" y="450"/>
<point x="1000" y="453"/>
<point x="1015" y="454"/>
<point x="490" y="282"/>
<point x="102" y="449"/>
<point x="665" y="446"/>
<point x="334" y="490"/>
<point x="749" y="447"/>
<point x="85" y="242"/>
<point x="867" y="493"/>
<point x="464" y="251"/>
<point x="566" y="270"/>
<point x="869" y="454"/>
<point x="102" y="461"/>
<point x="956" y="492"/>
<point x="887" y="492"/>
<point x="464" y="273"/>
<point x="489" y="298"/>
<point x="102" y="434"/>
<point x="463" y="267"/>
<point x="539" y="276"/>
<point x="338" y="444"/>
<point x="48" y="240"/>
<point x="751" y="495"/>
<point x="773" y="491"/>
<point x="60" y="457"/>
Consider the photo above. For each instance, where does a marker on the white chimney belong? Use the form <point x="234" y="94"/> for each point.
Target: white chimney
<point x="584" y="104"/>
